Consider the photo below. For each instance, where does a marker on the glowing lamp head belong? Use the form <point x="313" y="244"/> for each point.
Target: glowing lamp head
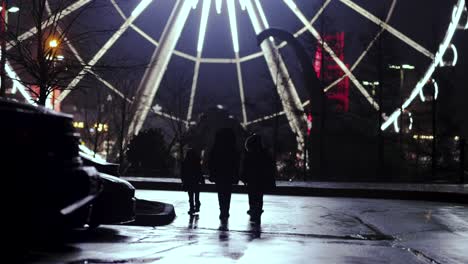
<point x="408" y="67"/>
<point x="53" y="43"/>
<point x="13" y="9"/>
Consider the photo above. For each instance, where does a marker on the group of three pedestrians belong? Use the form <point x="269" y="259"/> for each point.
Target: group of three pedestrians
<point x="257" y="171"/>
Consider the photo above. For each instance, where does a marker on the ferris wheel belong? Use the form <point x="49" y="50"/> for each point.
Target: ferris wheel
<point x="260" y="19"/>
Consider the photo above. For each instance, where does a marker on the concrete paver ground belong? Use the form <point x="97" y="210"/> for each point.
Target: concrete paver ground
<point x="293" y="230"/>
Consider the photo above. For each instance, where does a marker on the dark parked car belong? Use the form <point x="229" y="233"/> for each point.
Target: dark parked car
<point x="116" y="203"/>
<point x="47" y="186"/>
<point x="51" y="183"/>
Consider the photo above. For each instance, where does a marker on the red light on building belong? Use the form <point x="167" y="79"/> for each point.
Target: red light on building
<point x="309" y="123"/>
<point x="331" y="71"/>
<point x="52" y="101"/>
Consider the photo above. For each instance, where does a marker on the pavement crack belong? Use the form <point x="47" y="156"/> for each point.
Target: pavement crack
<point x="374" y="229"/>
<point x="418" y="254"/>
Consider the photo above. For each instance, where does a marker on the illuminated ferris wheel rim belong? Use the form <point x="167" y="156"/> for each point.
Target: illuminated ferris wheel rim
<point x="207" y="4"/>
<point x="227" y="60"/>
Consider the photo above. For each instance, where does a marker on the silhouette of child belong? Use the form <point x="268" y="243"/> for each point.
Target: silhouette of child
<point x="258" y="174"/>
<point x="192" y="178"/>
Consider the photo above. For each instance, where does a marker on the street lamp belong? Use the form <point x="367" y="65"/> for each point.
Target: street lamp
<point x="53" y="43"/>
<point x="371" y="84"/>
<point x="402" y="69"/>
<point x="4" y="10"/>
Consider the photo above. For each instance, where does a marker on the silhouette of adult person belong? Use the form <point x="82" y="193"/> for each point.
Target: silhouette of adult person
<point x="223" y="166"/>
<point x="191" y="175"/>
<point x="258" y="173"/>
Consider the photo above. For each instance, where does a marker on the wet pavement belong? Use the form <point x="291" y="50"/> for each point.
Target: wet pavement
<point x="293" y="230"/>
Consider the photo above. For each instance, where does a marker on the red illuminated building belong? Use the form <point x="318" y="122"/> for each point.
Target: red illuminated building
<point x="331" y="71"/>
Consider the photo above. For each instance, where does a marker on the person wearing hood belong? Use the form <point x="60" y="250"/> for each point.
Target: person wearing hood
<point x="259" y="171"/>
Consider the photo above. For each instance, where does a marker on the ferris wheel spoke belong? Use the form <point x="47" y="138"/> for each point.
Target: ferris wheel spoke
<point x="364" y="53"/>
<point x="296" y="34"/>
<point x="153" y="76"/>
<point x="389" y="28"/>
<point x="326" y="47"/>
<point x="121" y="95"/>
<point x="17" y="84"/>
<point x="201" y="41"/>
<point x="235" y="45"/>
<point x="279" y="73"/>
<point x="136" y="12"/>
<point x="31" y="32"/>
<point x="438" y="60"/>
<point x="70" y="45"/>
<point x="265" y="118"/>
<point x="194" y="89"/>
<point x="241" y="89"/>
<point x="311" y="22"/>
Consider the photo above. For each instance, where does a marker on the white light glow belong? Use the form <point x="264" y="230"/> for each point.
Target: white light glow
<point x="262" y="14"/>
<point x="411" y="121"/>
<point x="421" y="95"/>
<point x="466" y="16"/>
<point x="233" y="23"/>
<point x="219" y="3"/>
<point x="407" y="67"/>
<point x="203" y="24"/>
<point x="243" y="4"/>
<point x="194" y="4"/>
<point x="436" y="89"/>
<point x="16" y="83"/>
<point x="455" y="55"/>
<point x="395" y="126"/>
<point x="13" y="9"/>
<point x="140" y="7"/>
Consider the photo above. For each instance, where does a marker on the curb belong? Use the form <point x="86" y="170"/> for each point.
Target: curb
<point x="433" y="196"/>
<point x="152" y="213"/>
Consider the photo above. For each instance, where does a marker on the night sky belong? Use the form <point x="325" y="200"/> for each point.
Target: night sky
<point x="421" y="20"/>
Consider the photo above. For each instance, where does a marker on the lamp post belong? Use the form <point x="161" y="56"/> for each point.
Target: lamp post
<point x="371" y="84"/>
<point x="402" y="68"/>
<point x="3" y="28"/>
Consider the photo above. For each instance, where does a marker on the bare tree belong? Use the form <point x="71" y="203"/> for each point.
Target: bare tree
<point x="176" y="97"/>
<point x="41" y="44"/>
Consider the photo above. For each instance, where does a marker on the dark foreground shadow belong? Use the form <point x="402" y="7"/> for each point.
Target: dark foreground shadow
<point x="97" y="235"/>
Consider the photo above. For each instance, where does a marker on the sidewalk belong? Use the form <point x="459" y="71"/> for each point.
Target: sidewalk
<point x="451" y="193"/>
